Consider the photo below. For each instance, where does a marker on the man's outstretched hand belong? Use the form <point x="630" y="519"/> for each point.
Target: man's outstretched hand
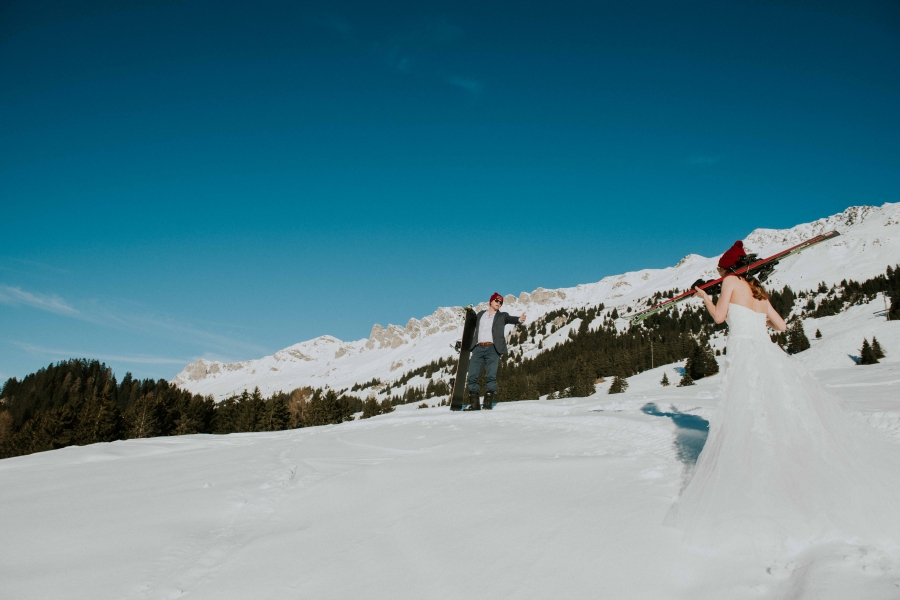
<point x="522" y="318"/>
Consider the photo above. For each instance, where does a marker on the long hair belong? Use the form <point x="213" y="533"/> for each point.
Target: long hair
<point x="757" y="289"/>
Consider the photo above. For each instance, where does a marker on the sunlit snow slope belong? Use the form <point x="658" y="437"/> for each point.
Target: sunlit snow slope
<point x="869" y="242"/>
<point x="534" y="500"/>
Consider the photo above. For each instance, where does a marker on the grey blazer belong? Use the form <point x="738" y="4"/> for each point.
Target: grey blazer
<point x="501" y="320"/>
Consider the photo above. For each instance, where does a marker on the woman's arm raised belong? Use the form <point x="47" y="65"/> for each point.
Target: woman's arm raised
<point x="718" y="311"/>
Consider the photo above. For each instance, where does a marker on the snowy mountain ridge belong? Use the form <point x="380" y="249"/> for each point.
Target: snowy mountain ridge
<point x="870" y="241"/>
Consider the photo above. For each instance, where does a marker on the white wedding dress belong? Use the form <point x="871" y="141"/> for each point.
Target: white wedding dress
<point x="785" y="466"/>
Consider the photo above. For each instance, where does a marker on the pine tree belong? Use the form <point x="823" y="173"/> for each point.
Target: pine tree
<point x="142" y="419"/>
<point x="277" y="416"/>
<point x="370" y="408"/>
<point x="584" y="382"/>
<point x="324" y="409"/>
<point x="6" y="428"/>
<point x="197" y="415"/>
<point x="892" y="288"/>
<point x="796" y="338"/>
<point x="783" y="301"/>
<point x="619" y="385"/>
<point x="99" y="421"/>
<point x="818" y="334"/>
<point x="386" y="407"/>
<point x="665" y="380"/>
<point x="702" y="362"/>
<point x="867" y="355"/>
<point x="582" y="388"/>
<point x="780" y="338"/>
<point x="249" y="411"/>
<point x="441" y="388"/>
<point x="226" y="412"/>
<point x="686" y="380"/>
<point x="297" y="404"/>
<point x="876" y="348"/>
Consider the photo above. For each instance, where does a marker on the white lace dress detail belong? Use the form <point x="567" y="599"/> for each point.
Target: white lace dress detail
<point x="784" y="464"/>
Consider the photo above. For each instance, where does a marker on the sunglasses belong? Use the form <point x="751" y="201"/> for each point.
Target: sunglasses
<point x="497" y="300"/>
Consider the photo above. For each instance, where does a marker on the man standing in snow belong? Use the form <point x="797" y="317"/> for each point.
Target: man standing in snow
<point x="487" y="348"/>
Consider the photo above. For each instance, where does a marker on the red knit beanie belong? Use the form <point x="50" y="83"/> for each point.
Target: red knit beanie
<point x="731" y="256"/>
<point x="496" y="296"/>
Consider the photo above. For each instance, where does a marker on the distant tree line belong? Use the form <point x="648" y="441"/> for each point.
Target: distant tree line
<point x="79" y="401"/>
<point x="447" y="365"/>
<point x="361" y="386"/>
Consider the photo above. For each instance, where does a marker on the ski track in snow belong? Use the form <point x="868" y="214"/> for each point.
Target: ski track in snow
<point x="195" y="560"/>
<point x="537" y="499"/>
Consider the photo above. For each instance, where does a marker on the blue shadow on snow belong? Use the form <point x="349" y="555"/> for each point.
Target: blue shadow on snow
<point x="690" y="432"/>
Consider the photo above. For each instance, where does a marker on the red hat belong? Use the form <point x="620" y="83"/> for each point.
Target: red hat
<point x="731" y="256"/>
<point x="496" y="296"/>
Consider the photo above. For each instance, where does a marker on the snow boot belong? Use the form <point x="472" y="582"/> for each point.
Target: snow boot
<point x="489" y="401"/>
<point x="473" y="403"/>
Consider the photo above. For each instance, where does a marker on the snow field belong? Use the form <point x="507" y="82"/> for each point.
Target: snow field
<point x="539" y="499"/>
<point x="418" y="503"/>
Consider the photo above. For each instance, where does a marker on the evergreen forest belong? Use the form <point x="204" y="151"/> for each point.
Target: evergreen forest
<point x="79" y="401"/>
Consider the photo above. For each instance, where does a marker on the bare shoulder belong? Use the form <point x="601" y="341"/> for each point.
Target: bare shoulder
<point x="729" y="282"/>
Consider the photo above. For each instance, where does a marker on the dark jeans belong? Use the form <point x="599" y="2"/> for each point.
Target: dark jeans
<point x="483" y="356"/>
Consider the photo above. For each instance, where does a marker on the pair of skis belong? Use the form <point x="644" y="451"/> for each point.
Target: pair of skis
<point x="758" y="268"/>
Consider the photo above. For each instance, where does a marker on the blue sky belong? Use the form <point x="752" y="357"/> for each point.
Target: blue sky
<point x="218" y="179"/>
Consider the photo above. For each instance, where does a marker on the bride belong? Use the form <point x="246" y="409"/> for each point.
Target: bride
<point x="784" y="466"/>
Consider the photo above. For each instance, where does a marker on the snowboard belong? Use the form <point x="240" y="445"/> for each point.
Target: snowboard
<point x="759" y="268"/>
<point x="462" y="366"/>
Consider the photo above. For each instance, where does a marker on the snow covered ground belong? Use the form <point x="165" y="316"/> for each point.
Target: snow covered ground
<point x="541" y="499"/>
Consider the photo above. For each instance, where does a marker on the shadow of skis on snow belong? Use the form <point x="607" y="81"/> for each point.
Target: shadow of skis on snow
<point x="690" y="433"/>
